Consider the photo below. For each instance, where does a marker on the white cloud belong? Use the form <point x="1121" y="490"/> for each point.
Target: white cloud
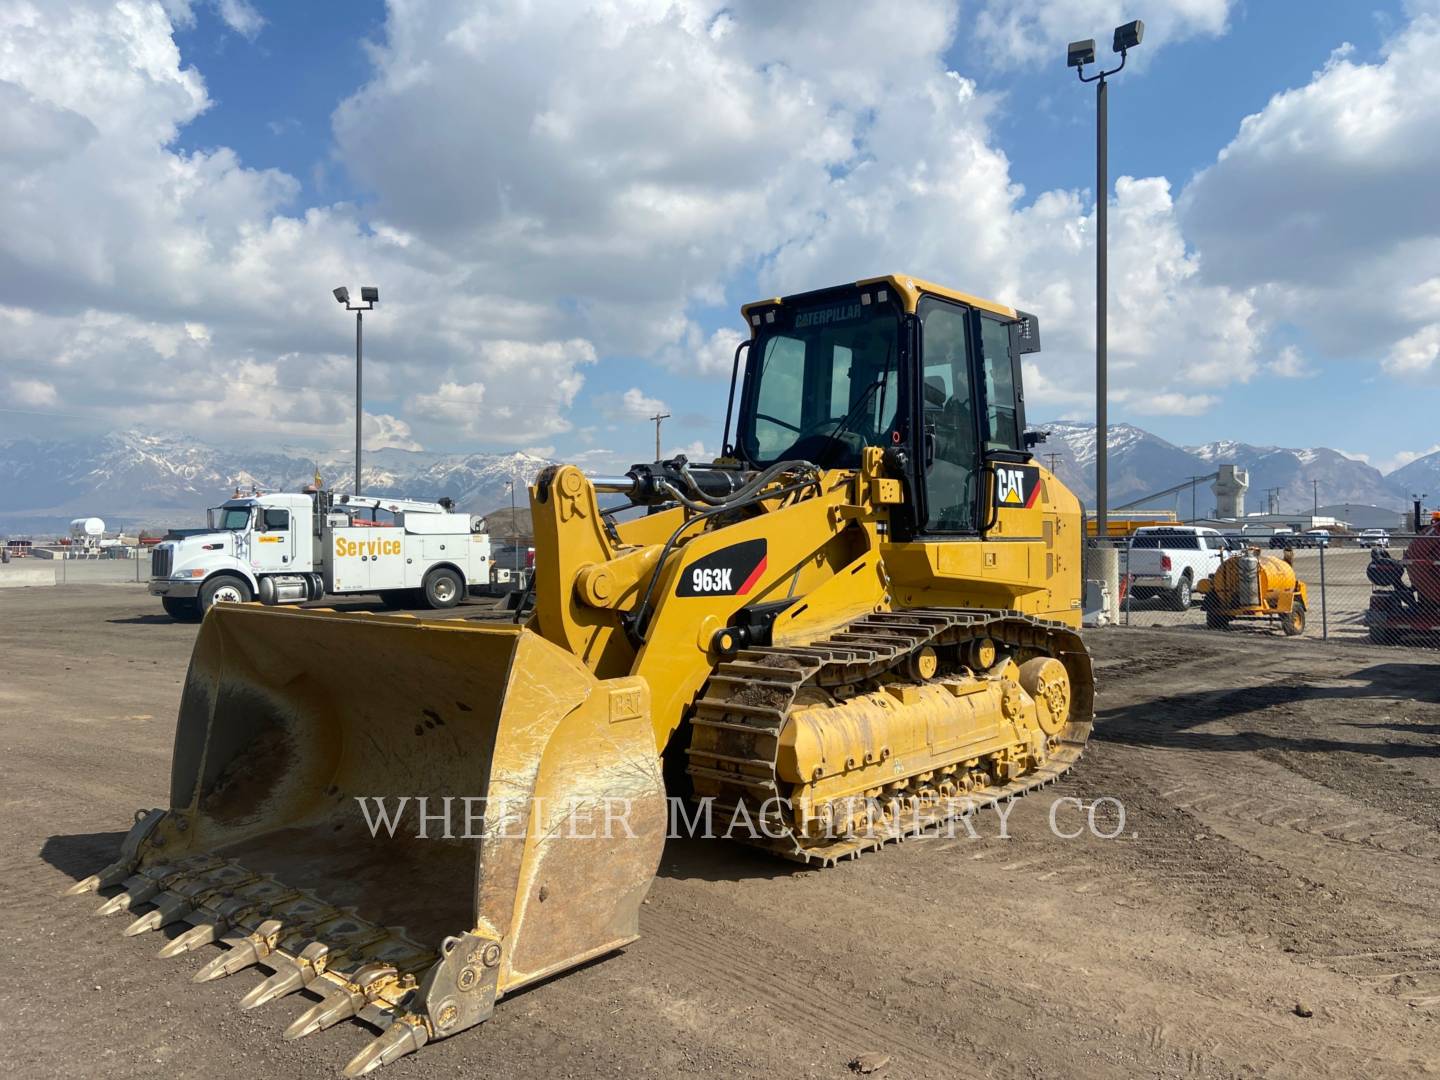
<point x="1029" y="32"/>
<point x="507" y="392"/>
<point x="382" y="431"/>
<point x="632" y="406"/>
<point x="241" y="16"/>
<point x="33" y="392"/>
<point x="1405" y="457"/>
<point x="694" y="451"/>
<point x="698" y="355"/>
<point x="1416" y="356"/>
<point x="1322" y="207"/>
<point x="615" y="168"/>
<point x="1171" y="403"/>
<point x="1290" y="363"/>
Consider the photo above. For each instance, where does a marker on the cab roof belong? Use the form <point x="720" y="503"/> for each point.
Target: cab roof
<point x="908" y="288"/>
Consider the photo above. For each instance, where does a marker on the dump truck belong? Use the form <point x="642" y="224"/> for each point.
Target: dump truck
<point x="858" y="623"/>
<point x="283" y="547"/>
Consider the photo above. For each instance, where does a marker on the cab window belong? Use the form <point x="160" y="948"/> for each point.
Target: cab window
<point x="276" y="520"/>
<point x="824" y="382"/>
<point x="1002" y="413"/>
<point x="952" y="453"/>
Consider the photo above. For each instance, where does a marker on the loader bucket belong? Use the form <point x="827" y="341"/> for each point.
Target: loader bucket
<point x="406" y="817"/>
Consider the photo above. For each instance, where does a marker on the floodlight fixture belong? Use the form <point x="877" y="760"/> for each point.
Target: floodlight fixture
<point x="342" y="294"/>
<point x="370" y="294"/>
<point x="1128" y="36"/>
<point x="1080" y="53"/>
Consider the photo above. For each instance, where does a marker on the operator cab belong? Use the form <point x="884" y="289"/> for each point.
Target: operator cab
<point x="896" y="363"/>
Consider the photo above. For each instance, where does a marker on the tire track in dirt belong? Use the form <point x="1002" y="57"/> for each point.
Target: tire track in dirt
<point x="1254" y="769"/>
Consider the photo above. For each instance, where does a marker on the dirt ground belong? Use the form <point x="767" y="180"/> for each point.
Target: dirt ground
<point x="1280" y="848"/>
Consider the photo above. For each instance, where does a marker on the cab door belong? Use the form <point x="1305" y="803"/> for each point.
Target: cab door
<point x="949" y="422"/>
<point x="274" y="551"/>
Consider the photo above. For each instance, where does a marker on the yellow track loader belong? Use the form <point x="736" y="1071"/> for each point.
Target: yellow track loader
<point x="858" y="623"/>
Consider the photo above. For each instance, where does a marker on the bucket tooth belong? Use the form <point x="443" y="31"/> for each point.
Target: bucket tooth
<point x="137" y="891"/>
<point x="289" y="977"/>
<point x="343" y="1002"/>
<point x="146" y="822"/>
<point x="112" y="875"/>
<point x="246" y="952"/>
<point x="151" y="920"/>
<point x="172" y="907"/>
<point x="405" y="1036"/>
<point x="168" y="908"/>
<point x="192" y="939"/>
<point x="339" y="1005"/>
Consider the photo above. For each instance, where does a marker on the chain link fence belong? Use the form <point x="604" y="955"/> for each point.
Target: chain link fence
<point x="1385" y="593"/>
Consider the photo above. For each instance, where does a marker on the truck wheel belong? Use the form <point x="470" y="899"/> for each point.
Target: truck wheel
<point x="180" y="608"/>
<point x="443" y="588"/>
<point x="224" y="590"/>
<point x="1293" y="621"/>
<point x="1180" y="595"/>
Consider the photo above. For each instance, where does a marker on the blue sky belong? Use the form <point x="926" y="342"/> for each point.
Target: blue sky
<point x="334" y="142"/>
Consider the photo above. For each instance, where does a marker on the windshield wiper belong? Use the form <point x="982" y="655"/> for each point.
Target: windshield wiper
<point x="878" y="384"/>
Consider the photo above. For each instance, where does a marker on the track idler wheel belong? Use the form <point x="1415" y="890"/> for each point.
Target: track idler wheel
<point x="1046" y="680"/>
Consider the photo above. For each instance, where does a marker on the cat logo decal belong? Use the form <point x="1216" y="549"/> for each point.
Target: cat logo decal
<point x="1016" y="486"/>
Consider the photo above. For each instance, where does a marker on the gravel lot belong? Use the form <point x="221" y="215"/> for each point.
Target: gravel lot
<point x="1280" y="848"/>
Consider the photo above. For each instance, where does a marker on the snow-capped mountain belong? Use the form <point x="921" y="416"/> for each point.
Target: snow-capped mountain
<point x="1421" y="476"/>
<point x="1141" y="463"/>
<point x="135" y="478"/>
<point x="1302" y="475"/>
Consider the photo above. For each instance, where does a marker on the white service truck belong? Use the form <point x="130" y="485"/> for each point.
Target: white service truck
<point x="286" y="548"/>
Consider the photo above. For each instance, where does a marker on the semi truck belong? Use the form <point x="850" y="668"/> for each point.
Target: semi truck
<point x="282" y="548"/>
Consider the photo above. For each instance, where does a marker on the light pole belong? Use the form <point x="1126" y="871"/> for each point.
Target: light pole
<point x="369" y="297"/>
<point x="1078" y="55"/>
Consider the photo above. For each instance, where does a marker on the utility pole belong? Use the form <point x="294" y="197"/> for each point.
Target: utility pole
<point x="658" y="417"/>
<point x="1077" y="56"/>
<point x="1054" y="459"/>
<point x="1193" y="481"/>
<point x="1315" y="510"/>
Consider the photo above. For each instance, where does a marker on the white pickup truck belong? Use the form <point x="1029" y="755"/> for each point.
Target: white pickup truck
<point x="1168" y="561"/>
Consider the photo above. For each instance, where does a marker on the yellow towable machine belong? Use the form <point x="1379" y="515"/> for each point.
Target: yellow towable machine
<point x="858" y="623"/>
<point x="1254" y="585"/>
